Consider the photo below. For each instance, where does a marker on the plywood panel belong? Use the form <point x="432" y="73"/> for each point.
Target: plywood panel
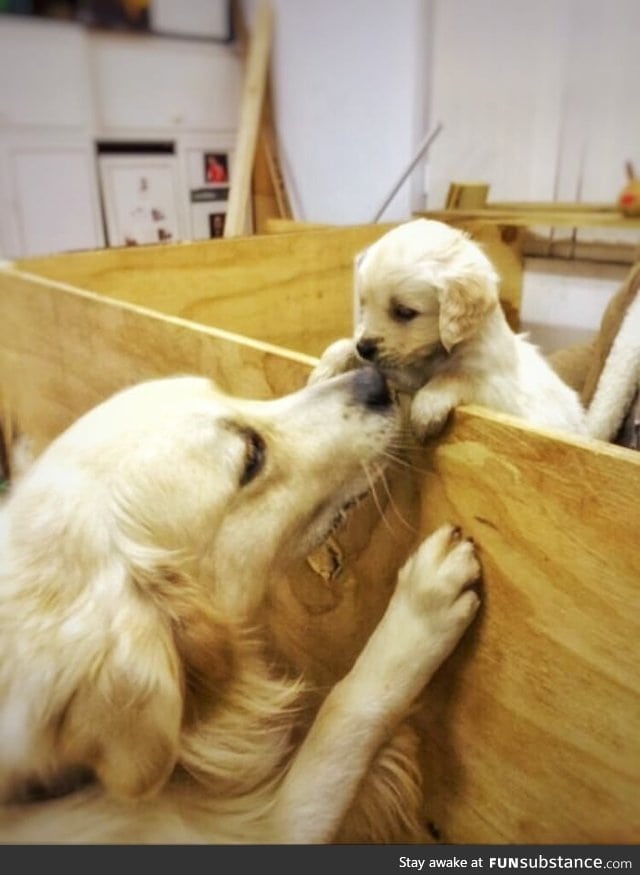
<point x="63" y="350"/>
<point x="291" y="290"/>
<point x="530" y="730"/>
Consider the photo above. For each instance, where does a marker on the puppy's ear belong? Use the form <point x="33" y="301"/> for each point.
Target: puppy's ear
<point x="164" y="656"/>
<point x="464" y="302"/>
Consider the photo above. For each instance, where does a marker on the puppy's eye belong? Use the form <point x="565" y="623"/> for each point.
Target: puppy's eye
<point x="254" y="457"/>
<point x="403" y="314"/>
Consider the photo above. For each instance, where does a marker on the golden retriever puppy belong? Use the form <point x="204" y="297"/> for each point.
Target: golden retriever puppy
<point x="137" y="702"/>
<point x="430" y="318"/>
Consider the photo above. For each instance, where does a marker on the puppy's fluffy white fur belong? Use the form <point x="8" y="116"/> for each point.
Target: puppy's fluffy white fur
<point x="134" y="556"/>
<point x="430" y="318"/>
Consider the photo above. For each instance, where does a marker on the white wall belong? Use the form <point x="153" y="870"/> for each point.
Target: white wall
<point x="563" y="301"/>
<point x="350" y="88"/>
<point x="539" y="99"/>
<point x="496" y="86"/>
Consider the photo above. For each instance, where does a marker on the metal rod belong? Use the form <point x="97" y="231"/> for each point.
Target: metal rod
<point x="421" y="151"/>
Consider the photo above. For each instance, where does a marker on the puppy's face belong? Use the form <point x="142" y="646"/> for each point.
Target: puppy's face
<point x="398" y="327"/>
<point x="422" y="289"/>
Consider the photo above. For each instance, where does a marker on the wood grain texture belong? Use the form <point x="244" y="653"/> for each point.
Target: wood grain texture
<point x="531" y="729"/>
<point x="63" y="350"/>
<point x="531" y="733"/>
<point x="294" y="291"/>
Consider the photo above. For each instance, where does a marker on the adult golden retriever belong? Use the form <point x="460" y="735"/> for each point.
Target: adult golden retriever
<point x="137" y="701"/>
<point x="430" y="318"/>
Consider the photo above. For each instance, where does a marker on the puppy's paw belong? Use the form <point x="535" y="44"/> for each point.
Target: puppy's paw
<point x="435" y="586"/>
<point x="429" y="413"/>
<point x="341" y="356"/>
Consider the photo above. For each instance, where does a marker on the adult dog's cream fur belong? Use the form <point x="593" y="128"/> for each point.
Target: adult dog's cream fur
<point x="134" y="556"/>
<point x="430" y="319"/>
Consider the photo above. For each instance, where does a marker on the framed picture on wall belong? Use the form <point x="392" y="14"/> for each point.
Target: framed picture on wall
<point x="140" y="199"/>
<point x="216" y="168"/>
<point x="216" y="224"/>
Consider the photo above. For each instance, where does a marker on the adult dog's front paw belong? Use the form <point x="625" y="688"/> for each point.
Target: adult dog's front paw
<point x="341" y="356"/>
<point x="429" y="413"/>
<point x="435" y="586"/>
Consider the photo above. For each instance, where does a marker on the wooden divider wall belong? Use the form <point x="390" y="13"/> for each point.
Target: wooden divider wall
<point x="531" y="729"/>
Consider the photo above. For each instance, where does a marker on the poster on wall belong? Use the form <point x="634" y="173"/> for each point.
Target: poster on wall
<point x="216" y="168"/>
<point x="216" y="224"/>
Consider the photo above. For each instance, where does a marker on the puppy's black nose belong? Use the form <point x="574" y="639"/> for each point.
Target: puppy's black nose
<point x="367" y="348"/>
<point x="371" y="388"/>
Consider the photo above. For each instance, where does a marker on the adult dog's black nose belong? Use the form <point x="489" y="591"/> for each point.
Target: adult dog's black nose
<point x="371" y="389"/>
<point x="367" y="348"/>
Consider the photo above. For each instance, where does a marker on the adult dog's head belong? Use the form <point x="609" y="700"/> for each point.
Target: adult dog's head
<point x="423" y="288"/>
<point x="135" y="541"/>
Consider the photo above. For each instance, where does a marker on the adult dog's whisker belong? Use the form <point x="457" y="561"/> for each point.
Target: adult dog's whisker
<point x="404" y="463"/>
<point x="394" y="506"/>
<point x="374" y="494"/>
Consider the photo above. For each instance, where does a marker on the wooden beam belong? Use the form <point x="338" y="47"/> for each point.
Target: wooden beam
<point x="552" y="206"/>
<point x="467" y="196"/>
<point x="526" y="218"/>
<point x="255" y="82"/>
<point x="270" y="198"/>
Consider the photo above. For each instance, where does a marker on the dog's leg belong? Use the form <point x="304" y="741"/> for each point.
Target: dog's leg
<point x="428" y="613"/>
<point x="341" y="356"/>
<point x="432" y="405"/>
<point x="389" y="804"/>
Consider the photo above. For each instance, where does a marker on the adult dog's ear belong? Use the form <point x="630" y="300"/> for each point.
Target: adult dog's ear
<point x="205" y="642"/>
<point x="164" y="657"/>
<point x="464" y="303"/>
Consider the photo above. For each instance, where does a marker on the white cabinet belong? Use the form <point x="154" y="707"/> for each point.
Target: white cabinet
<point x="148" y="84"/>
<point x="64" y="89"/>
<point x="44" y="82"/>
<point x="54" y="197"/>
<point x="48" y="188"/>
